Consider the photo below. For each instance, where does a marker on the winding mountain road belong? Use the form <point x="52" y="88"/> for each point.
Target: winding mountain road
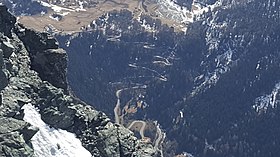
<point x="138" y="125"/>
<point x="117" y="109"/>
<point x="142" y="129"/>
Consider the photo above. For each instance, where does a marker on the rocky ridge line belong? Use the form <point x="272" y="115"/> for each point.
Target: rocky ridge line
<point x="33" y="70"/>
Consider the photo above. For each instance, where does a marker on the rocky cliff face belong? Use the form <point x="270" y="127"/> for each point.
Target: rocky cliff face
<point x="33" y="71"/>
<point x="214" y="88"/>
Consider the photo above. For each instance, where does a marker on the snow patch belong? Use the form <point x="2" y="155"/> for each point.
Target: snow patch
<point x="181" y="114"/>
<point x="54" y="18"/>
<point x="64" y="13"/>
<point x="223" y="65"/>
<point x="55" y="7"/>
<point x="271" y="100"/>
<point x="81" y="6"/>
<point x="170" y="9"/>
<point x="174" y="11"/>
<point x="50" y="142"/>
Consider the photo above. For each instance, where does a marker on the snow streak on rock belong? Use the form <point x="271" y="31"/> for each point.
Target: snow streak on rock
<point x="263" y="103"/>
<point x="52" y="142"/>
<point x="170" y="9"/>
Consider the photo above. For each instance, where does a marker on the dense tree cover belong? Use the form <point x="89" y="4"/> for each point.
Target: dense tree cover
<point x="212" y="77"/>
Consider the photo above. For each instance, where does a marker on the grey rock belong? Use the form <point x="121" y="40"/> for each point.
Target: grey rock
<point x="55" y="70"/>
<point x="46" y="59"/>
<point x="14" y="145"/>
<point x="7" y="48"/>
<point x="19" y="115"/>
<point x="3" y="80"/>
<point x="97" y="133"/>
<point x="7" y="21"/>
<point x="1" y="59"/>
<point x="12" y="134"/>
<point x="10" y="124"/>
<point x="28" y="132"/>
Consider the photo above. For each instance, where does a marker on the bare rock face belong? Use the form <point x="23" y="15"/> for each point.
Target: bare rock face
<point x="49" y="61"/>
<point x="7" y="21"/>
<point x="15" y="134"/>
<point x="32" y="71"/>
<point x="3" y="78"/>
<point x="12" y="143"/>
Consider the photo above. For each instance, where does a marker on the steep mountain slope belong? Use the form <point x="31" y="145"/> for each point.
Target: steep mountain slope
<point x="32" y="70"/>
<point x="214" y="90"/>
<point x="231" y="115"/>
<point x="24" y="7"/>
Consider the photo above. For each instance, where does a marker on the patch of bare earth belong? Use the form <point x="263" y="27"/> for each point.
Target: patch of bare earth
<point x="76" y="21"/>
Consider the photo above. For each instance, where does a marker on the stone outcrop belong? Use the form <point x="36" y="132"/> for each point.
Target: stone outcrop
<point x="46" y="58"/>
<point x="7" y="21"/>
<point x="33" y="70"/>
<point x="15" y="134"/>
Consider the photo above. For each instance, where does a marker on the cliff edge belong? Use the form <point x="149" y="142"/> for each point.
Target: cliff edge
<point x="33" y="71"/>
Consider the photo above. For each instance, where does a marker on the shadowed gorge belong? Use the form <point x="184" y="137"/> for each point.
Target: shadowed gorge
<point x="178" y="78"/>
<point x="200" y="86"/>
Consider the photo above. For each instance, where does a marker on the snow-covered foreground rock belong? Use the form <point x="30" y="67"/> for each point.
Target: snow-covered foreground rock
<point x="52" y="142"/>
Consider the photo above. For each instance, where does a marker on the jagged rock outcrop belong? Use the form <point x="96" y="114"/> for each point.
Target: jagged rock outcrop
<point x="15" y="134"/>
<point x="46" y="58"/>
<point x="15" y="137"/>
<point x="33" y="70"/>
